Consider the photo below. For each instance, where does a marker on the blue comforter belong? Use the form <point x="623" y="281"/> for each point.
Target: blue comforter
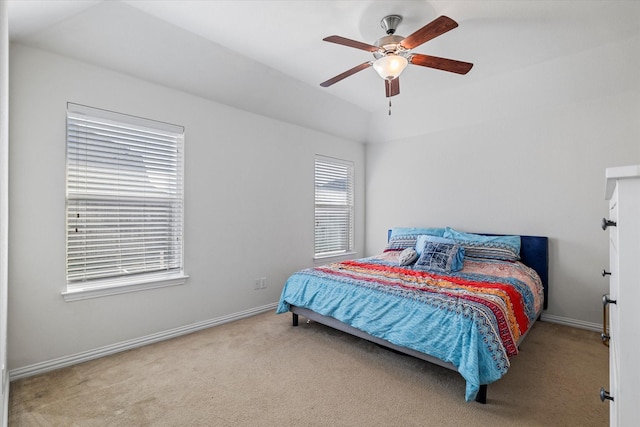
<point x="446" y="317"/>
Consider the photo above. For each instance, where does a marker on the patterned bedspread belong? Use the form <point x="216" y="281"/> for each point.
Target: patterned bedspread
<point x="472" y="318"/>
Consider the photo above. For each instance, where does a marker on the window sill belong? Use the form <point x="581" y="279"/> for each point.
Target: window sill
<point x="333" y="257"/>
<point x="115" y="287"/>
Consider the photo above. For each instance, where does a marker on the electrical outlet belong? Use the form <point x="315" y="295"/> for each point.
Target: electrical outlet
<point x="257" y="284"/>
<point x="263" y="283"/>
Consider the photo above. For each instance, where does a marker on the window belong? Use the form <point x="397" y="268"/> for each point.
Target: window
<point x="333" y="207"/>
<point x="124" y="203"/>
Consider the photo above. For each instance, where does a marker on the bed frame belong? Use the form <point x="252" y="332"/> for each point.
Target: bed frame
<point x="534" y="252"/>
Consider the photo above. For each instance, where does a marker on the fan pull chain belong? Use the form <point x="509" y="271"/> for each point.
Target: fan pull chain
<point x="389" y="94"/>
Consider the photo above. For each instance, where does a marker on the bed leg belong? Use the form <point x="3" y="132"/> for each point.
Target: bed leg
<point x="481" y="397"/>
<point x="295" y="319"/>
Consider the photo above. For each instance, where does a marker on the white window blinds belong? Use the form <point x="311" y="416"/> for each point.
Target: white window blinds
<point x="124" y="196"/>
<point x="333" y="206"/>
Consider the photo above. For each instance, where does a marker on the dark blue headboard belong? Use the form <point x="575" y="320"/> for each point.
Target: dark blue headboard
<point x="534" y="252"/>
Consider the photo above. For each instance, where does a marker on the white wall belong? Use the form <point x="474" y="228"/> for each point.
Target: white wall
<point x="537" y="172"/>
<point x="4" y="210"/>
<point x="248" y="204"/>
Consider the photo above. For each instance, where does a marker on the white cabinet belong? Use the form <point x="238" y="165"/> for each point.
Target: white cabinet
<point x="623" y="194"/>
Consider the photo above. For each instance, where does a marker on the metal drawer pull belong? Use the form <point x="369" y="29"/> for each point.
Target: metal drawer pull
<point x="607" y="223"/>
<point x="604" y="395"/>
<point x="606" y="273"/>
<point x="604" y="336"/>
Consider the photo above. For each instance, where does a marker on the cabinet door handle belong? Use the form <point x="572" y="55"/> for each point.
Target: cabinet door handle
<point x="605" y="273"/>
<point x="604" y="395"/>
<point x="604" y="336"/>
<point x="608" y="223"/>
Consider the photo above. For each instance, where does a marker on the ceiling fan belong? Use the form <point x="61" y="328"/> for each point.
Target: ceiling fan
<point x="392" y="53"/>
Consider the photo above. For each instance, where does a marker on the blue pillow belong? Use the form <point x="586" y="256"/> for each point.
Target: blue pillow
<point x="422" y="240"/>
<point x="493" y="247"/>
<point x="441" y="256"/>
<point x="402" y="238"/>
<point x="416" y="231"/>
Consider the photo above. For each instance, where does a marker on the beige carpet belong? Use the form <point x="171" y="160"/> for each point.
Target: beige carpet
<point x="261" y="371"/>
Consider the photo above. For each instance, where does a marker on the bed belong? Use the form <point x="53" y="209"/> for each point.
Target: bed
<point x="464" y="301"/>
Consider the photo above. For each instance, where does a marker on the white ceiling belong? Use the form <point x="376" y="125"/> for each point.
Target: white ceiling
<point x="268" y="57"/>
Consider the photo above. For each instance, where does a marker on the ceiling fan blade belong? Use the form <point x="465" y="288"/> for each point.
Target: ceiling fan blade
<point x="346" y="74"/>
<point x="392" y="87"/>
<point x="444" y="64"/>
<point x="433" y="29"/>
<point x="351" y="43"/>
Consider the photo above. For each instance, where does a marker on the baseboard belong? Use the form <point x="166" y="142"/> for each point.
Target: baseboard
<point x="85" y="356"/>
<point x="597" y="327"/>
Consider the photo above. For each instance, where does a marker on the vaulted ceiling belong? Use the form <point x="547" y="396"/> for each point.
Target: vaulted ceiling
<point x="268" y="57"/>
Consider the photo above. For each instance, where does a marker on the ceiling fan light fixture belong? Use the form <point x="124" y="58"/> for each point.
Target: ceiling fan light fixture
<point x="390" y="66"/>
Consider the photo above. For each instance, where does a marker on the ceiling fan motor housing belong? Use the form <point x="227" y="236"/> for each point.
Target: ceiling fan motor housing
<point x="389" y="45"/>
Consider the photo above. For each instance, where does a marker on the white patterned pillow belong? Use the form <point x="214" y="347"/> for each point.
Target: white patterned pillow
<point x="405" y="237"/>
<point x="407" y="256"/>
